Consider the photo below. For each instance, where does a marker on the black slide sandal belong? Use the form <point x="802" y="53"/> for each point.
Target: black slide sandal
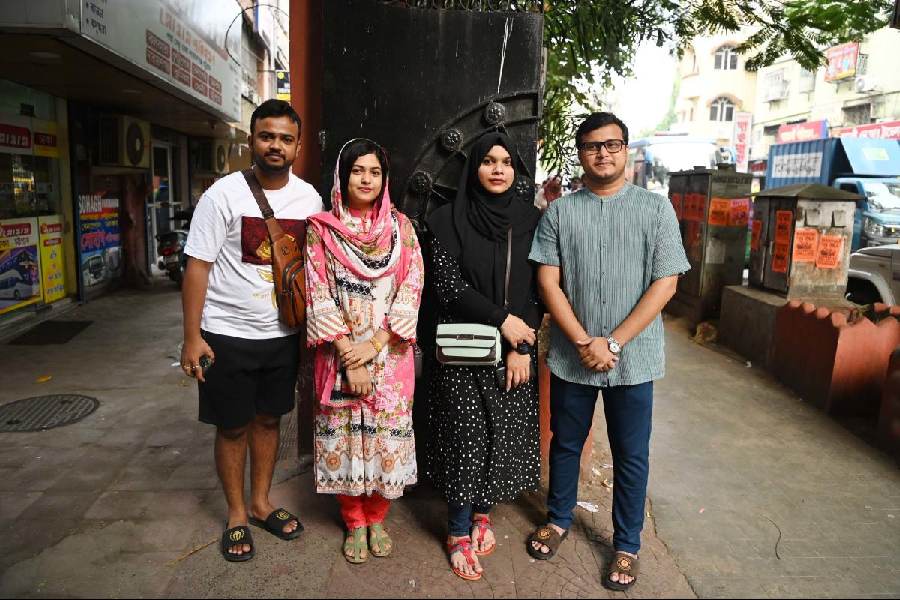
<point x="275" y="523"/>
<point x="237" y="536"/>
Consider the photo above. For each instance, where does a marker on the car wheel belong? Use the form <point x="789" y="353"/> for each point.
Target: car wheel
<point x="860" y="291"/>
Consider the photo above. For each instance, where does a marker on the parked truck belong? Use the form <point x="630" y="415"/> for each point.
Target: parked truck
<point x="865" y="166"/>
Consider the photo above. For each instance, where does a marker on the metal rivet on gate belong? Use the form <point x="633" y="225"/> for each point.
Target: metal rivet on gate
<point x="495" y="113"/>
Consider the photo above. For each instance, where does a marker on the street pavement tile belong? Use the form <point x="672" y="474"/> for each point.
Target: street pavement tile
<point x="70" y="506"/>
<point x="23" y="540"/>
<point x="12" y="504"/>
<point x="100" y="563"/>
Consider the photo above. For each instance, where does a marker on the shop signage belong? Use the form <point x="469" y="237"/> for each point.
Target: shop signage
<point x="53" y="261"/>
<point x="24" y="135"/>
<point x="741" y="140"/>
<point x="887" y="131"/>
<point x="801" y="132"/>
<point x="99" y="239"/>
<point x="181" y="41"/>
<point x="283" y="85"/>
<point x="841" y="61"/>
<point x="19" y="264"/>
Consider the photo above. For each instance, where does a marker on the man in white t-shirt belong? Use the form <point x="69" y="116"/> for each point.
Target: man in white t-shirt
<point x="243" y="357"/>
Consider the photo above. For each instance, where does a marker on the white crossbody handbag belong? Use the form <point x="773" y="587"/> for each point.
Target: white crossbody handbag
<point x="473" y="344"/>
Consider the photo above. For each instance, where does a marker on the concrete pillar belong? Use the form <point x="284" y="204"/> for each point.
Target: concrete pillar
<point x="306" y="66"/>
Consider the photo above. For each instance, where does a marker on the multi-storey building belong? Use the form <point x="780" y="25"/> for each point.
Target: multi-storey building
<point x="715" y="86"/>
<point x="856" y="93"/>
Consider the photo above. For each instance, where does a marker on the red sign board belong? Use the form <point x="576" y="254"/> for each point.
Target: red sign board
<point x="14" y="136"/>
<point x="886" y="131"/>
<point x="801" y="132"/>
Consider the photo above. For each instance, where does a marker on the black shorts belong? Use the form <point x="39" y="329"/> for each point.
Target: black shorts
<point x="248" y="377"/>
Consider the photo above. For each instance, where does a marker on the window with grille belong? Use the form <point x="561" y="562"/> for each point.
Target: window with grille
<point x="721" y="109"/>
<point x="858" y="115"/>
<point x="726" y="59"/>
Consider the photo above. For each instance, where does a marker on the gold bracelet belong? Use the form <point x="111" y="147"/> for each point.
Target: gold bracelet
<point x="376" y="344"/>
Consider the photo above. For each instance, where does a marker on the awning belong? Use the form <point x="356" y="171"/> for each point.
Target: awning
<point x="873" y="157"/>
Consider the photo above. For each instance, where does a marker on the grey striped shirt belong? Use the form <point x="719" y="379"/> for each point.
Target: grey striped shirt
<point x="609" y="250"/>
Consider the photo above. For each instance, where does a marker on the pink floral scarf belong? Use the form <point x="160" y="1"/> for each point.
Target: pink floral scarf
<point x="346" y="254"/>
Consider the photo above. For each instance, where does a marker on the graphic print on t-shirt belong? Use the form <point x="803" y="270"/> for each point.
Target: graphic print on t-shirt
<point x="255" y="246"/>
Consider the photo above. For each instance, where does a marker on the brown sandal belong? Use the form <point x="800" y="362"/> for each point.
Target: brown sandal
<point x="623" y="564"/>
<point x="546" y="536"/>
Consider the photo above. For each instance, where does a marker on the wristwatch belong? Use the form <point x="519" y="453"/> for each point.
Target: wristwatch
<point x="523" y="348"/>
<point x="614" y="346"/>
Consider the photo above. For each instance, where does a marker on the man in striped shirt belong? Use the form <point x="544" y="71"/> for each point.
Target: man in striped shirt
<point x="609" y="255"/>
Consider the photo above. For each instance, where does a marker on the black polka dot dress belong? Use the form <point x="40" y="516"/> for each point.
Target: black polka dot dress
<point x="485" y="442"/>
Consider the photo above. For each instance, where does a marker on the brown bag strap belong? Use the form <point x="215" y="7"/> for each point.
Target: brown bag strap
<point x="508" y="267"/>
<point x="275" y="230"/>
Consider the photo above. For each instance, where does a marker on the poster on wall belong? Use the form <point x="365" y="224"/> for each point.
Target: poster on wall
<point x="100" y="240"/>
<point x="53" y="261"/>
<point x="20" y="283"/>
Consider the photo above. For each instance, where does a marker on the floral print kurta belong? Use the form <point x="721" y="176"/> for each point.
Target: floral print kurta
<point x="364" y="445"/>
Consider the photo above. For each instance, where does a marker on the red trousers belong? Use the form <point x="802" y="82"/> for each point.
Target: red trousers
<point x="362" y="511"/>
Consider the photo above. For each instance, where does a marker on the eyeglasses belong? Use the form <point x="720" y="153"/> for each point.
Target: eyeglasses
<point x="612" y="146"/>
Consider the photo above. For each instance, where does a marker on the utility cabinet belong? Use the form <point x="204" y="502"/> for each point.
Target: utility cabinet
<point x="800" y="240"/>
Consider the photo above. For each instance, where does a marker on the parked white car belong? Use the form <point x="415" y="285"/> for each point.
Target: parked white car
<point x="874" y="275"/>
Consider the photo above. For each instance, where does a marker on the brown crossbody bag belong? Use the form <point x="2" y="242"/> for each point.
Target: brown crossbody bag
<point x="287" y="261"/>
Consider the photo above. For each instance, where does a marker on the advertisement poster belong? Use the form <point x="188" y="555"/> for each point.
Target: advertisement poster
<point x="741" y="140"/>
<point x="830" y="249"/>
<point x="53" y="261"/>
<point x="784" y="220"/>
<point x="841" y="61"/>
<point x="740" y="212"/>
<point x="101" y="251"/>
<point x="755" y="235"/>
<point x="719" y="209"/>
<point x="20" y="283"/>
<point x="780" y="258"/>
<point x="806" y="243"/>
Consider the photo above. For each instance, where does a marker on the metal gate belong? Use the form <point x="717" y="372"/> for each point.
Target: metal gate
<point x="425" y="82"/>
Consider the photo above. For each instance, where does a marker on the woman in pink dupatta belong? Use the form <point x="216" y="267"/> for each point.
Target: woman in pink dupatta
<point x="364" y="281"/>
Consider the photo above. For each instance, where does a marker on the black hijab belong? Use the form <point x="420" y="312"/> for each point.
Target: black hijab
<point x="474" y="229"/>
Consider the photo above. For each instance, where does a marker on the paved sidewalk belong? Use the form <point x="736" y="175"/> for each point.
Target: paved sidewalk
<point x="754" y="493"/>
<point x="126" y="502"/>
<point x="760" y="494"/>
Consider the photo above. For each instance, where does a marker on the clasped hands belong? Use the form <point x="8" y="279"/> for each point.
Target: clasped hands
<point x="354" y="360"/>
<point x="595" y="354"/>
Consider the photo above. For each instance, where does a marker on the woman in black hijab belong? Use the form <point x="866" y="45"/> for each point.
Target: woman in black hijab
<point x="484" y="447"/>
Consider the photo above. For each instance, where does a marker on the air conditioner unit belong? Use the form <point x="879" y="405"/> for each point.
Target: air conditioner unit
<point x="219" y="158"/>
<point x="864" y="84"/>
<point x="124" y="142"/>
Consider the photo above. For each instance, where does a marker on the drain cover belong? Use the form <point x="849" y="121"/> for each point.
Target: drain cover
<point x="45" y="412"/>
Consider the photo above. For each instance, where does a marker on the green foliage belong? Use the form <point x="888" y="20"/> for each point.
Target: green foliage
<point x="605" y="34"/>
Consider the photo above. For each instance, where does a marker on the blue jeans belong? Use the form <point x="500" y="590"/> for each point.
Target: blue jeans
<point x="628" y="410"/>
<point x="459" y="517"/>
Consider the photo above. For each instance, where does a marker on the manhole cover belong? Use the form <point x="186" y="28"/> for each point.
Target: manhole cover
<point x="45" y="412"/>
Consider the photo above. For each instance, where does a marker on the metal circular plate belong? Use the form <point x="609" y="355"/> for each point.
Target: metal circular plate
<point x="421" y="182"/>
<point x="524" y="187"/>
<point x="495" y="113"/>
<point x="45" y="412"/>
<point x="451" y="139"/>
